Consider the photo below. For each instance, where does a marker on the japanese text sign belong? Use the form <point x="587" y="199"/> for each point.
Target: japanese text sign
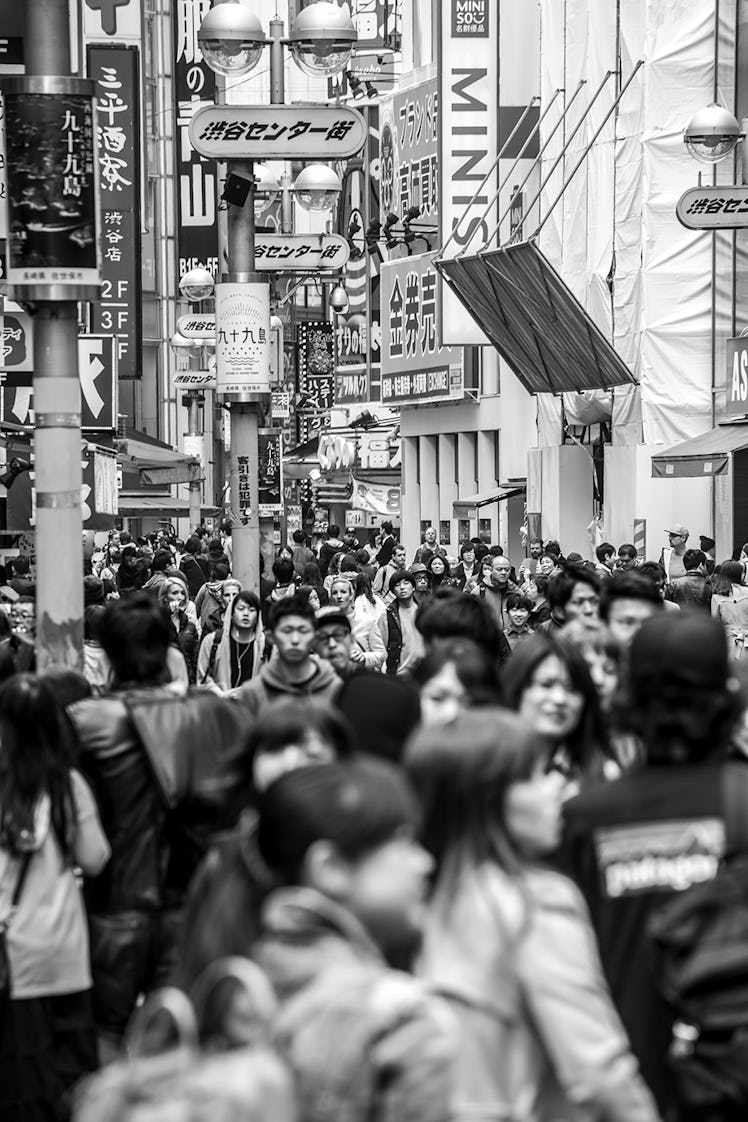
<point x="252" y="132"/>
<point x="243" y="338"/>
<point x="409" y="157"/>
<point x="415" y="367"/>
<point x="118" y="311"/>
<point x="97" y="364"/>
<point x="316" y="376"/>
<point x="17" y="348"/>
<point x="736" y="383"/>
<point x="713" y="208"/>
<point x="270" y="484"/>
<point x="300" y="252"/>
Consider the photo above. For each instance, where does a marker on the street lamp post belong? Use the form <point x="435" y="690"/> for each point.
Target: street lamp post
<point x="232" y="40"/>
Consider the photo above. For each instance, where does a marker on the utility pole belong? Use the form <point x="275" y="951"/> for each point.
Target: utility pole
<point x="47" y="96"/>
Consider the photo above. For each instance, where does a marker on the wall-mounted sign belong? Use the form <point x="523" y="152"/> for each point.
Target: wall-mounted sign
<point x="277" y="132"/>
<point x="17" y="347"/>
<point x="415" y="368"/>
<point x="118" y="311"/>
<point x="736" y="383"/>
<point x="300" y="252"/>
<point x="118" y="19"/>
<point x="409" y="157"/>
<point x="52" y="246"/>
<point x="713" y="208"/>
<point x="97" y="365"/>
<point x="243" y="338"/>
<point x="351" y="384"/>
<point x="375" y="498"/>
<point x="270" y="471"/>
<point x="315" y="355"/>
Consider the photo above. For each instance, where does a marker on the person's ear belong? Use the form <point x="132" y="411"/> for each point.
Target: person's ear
<point x="325" y="869"/>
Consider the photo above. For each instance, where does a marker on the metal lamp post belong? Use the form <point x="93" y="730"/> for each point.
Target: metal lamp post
<point x="232" y="40"/>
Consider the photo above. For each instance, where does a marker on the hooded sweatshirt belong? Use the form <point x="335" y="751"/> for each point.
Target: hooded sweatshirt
<point x="272" y="684"/>
<point x="364" y="1041"/>
<point x="218" y="676"/>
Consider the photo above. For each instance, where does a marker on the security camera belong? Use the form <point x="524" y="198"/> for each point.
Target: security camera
<point x="339" y="301"/>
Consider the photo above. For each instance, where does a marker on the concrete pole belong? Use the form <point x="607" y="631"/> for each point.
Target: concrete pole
<point x="245" y="423"/>
<point x="57" y="426"/>
<point x="195" y="487"/>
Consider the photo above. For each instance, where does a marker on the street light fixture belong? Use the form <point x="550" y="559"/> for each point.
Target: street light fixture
<point x="267" y="189"/>
<point x="231" y="39"/>
<point x="197" y="284"/>
<point x="712" y="134"/>
<point x="317" y="187"/>
<point x="323" y="37"/>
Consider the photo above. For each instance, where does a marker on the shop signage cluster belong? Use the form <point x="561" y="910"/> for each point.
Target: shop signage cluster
<point x="118" y="312"/>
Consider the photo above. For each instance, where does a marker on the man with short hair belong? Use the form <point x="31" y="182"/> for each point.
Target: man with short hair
<point x="573" y="595"/>
<point x="627" y="600"/>
<point x="329" y="548"/>
<point x="496" y="587"/>
<point x="293" y="671"/>
<point x="301" y="553"/>
<point x="387" y="545"/>
<point x="21" y="581"/>
<point x="467" y="573"/>
<point x="194" y="566"/>
<point x="692" y="591"/>
<point x="429" y="549"/>
<point x="395" y="632"/>
<point x="397" y="564"/>
<point x="450" y="614"/>
<point x="628" y="558"/>
<point x="672" y="555"/>
<point x="334" y="642"/>
<point x="605" y="554"/>
<point x="285" y="586"/>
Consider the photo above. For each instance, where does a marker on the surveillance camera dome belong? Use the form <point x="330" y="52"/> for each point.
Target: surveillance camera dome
<point x="339" y="301"/>
<point x="711" y="134"/>
<point x="197" y="284"/>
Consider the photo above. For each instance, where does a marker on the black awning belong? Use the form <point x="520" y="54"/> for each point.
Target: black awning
<point x="534" y="320"/>
<point x="461" y="508"/>
<point x="707" y="454"/>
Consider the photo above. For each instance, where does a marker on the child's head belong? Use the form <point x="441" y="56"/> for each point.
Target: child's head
<point x="518" y="608"/>
<point x="347" y="829"/>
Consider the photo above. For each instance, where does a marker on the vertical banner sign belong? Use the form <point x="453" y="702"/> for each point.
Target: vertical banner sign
<point x="118" y="312"/>
<point x="468" y="140"/>
<point x="316" y="377"/>
<point x="415" y="367"/>
<point x="243" y="338"/>
<point x="270" y="488"/>
<point x="194" y="88"/>
<point x="409" y="156"/>
<point x="49" y="146"/>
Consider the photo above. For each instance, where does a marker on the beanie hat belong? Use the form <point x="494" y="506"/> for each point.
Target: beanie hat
<point x="401" y="574"/>
<point x="681" y="649"/>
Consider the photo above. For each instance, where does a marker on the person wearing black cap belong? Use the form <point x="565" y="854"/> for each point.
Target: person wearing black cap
<point x="661" y="828"/>
<point x="395" y="635"/>
<point x="334" y="642"/>
<point x="707" y="547"/>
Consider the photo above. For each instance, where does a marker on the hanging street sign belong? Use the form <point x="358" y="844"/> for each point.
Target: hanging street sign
<point x="282" y="253"/>
<point x="194" y="379"/>
<point x="713" y="208"/>
<point x="200" y="327"/>
<point x="277" y="132"/>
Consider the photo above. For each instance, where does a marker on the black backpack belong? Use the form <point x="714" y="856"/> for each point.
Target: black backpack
<point x="699" y="939"/>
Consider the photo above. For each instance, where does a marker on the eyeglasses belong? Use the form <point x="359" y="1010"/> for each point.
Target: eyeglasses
<point x="339" y="635"/>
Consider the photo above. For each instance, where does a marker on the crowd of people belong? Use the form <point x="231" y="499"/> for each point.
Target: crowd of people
<point x="440" y="802"/>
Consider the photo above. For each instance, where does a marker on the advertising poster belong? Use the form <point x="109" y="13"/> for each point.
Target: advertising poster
<point x="409" y="155"/>
<point x="118" y="312"/>
<point x="243" y="338"/>
<point x="315" y="387"/>
<point x="375" y="498"/>
<point x="270" y="487"/>
<point x="51" y="190"/>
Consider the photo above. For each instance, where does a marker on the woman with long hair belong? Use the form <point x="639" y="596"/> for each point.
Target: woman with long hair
<point x="49" y="826"/>
<point x="311" y="574"/>
<point x="549" y="685"/>
<point x="174" y="596"/>
<point x="441" y="575"/>
<point x="730" y="604"/>
<point x="233" y="655"/>
<point x="360" y="615"/>
<point x="508" y="941"/>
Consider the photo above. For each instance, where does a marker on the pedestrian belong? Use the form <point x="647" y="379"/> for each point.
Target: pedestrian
<point x="311" y="575"/>
<point x="496" y="587"/>
<point x="605" y="554"/>
<point x="628" y="558"/>
<point x="301" y="554"/>
<point x="49" y="826"/>
<point x="440" y="573"/>
<point x="335" y="643"/>
<point x="213" y="597"/>
<point x="232" y="656"/>
<point x="172" y="593"/>
<point x="293" y="670"/>
<point x="458" y="615"/>
<point x="133" y="571"/>
<point x="466" y="573"/>
<point x="285" y="586"/>
<point x="507" y="940"/>
<point x="396" y="564"/>
<point x="633" y="843"/>
<point x="518" y="609"/>
<point x="387" y="545"/>
<point x="457" y="676"/>
<point x="672" y="555"/>
<point x="692" y="590"/>
<point x="21" y="581"/>
<point x="547" y="682"/>
<point x="395" y="635"/>
<point x="330" y="546"/>
<point x="162" y="560"/>
<point x="627" y="600"/>
<point x="729" y="604"/>
<point x="573" y="594"/>
<point x="422" y="577"/>
<point x="194" y="567"/>
<point x="430" y="548"/>
<point x="548" y="565"/>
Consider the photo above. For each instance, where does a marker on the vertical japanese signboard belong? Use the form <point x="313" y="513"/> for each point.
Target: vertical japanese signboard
<point x="315" y="346"/>
<point x="118" y="313"/>
<point x="243" y="338"/>
<point x="415" y="368"/>
<point x="468" y="140"/>
<point x="409" y="154"/>
<point x="194" y="88"/>
<point x="270" y="486"/>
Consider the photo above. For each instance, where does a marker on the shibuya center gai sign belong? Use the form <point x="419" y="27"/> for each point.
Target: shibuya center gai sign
<point x="253" y="132"/>
<point x="713" y="208"/>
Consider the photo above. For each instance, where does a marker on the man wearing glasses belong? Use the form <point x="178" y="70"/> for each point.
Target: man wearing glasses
<point x="672" y="556"/>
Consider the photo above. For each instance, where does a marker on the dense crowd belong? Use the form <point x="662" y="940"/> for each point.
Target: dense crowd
<point x="408" y="832"/>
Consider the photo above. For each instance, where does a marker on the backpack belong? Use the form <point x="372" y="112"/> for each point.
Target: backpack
<point x="699" y="939"/>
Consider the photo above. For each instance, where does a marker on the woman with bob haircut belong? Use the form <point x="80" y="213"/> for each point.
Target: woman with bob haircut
<point x="508" y="941"/>
<point x="547" y="682"/>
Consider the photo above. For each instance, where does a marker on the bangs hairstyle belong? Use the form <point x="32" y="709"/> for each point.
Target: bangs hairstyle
<point x="462" y="773"/>
<point x="251" y="599"/>
<point x="357" y="805"/>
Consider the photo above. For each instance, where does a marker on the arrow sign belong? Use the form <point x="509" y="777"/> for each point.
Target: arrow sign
<point x="713" y="208"/>
<point x="277" y="132"/>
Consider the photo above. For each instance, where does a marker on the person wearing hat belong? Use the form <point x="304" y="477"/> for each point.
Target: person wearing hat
<point x="394" y="635"/>
<point x="334" y="642"/>
<point x="672" y="555"/>
<point x="632" y="843"/>
<point x="707" y="547"/>
<point x="423" y="582"/>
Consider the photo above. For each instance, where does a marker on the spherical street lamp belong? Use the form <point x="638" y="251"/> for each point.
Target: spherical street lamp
<point x="231" y="39"/>
<point x="266" y="189"/>
<point x="712" y="134"/>
<point x="197" y="284"/>
<point x="323" y="37"/>
<point x="317" y="187"/>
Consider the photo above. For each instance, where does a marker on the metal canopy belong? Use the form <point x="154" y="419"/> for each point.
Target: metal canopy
<point x="461" y="507"/>
<point x="707" y="454"/>
<point x="534" y="321"/>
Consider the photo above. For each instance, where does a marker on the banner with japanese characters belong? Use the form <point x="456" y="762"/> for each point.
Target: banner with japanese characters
<point x="115" y="70"/>
<point x="415" y="368"/>
<point x="315" y="386"/>
<point x="243" y="337"/>
<point x="97" y="365"/>
<point x="196" y="179"/>
<point x="270" y="485"/>
<point x="409" y="155"/>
